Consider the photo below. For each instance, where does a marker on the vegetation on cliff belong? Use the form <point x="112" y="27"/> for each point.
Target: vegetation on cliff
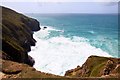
<point x="96" y="66"/>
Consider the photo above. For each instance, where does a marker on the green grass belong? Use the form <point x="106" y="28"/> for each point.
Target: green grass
<point x="97" y="69"/>
<point x="93" y="62"/>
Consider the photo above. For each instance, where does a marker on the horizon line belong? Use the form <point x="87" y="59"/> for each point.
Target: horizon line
<point x="70" y="13"/>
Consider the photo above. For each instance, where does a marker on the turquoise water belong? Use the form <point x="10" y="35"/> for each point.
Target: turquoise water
<point x="70" y="39"/>
<point x="101" y="30"/>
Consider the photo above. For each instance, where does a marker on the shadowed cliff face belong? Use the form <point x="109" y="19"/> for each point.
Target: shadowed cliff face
<point x="17" y="36"/>
<point x="96" y="66"/>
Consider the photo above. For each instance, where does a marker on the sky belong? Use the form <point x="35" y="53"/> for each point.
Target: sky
<point x="59" y="0"/>
<point x="57" y="6"/>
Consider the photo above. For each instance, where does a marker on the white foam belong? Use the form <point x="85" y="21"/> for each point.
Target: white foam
<point x="59" y="54"/>
<point x="44" y="32"/>
<point x="92" y="32"/>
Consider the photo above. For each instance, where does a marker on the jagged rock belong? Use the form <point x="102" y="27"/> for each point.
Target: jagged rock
<point x="30" y="61"/>
<point x="109" y="67"/>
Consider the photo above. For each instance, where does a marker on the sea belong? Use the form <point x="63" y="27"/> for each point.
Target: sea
<point x="69" y="39"/>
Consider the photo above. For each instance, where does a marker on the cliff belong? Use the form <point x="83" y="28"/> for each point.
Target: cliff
<point x="96" y="66"/>
<point x="17" y="36"/>
<point x="17" y="39"/>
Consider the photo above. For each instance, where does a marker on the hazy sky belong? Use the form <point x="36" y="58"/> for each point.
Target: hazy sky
<point x="60" y="0"/>
<point x="63" y="7"/>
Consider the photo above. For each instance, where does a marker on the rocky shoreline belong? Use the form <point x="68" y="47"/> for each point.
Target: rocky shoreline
<point x="17" y="39"/>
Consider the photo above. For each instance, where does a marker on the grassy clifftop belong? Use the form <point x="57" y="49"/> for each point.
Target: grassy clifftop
<point x="96" y="66"/>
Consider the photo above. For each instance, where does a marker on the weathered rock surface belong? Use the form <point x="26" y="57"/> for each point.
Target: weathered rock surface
<point x="96" y="66"/>
<point x="17" y="36"/>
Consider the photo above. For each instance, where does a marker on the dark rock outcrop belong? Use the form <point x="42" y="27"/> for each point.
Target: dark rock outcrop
<point x="32" y="23"/>
<point x="17" y="36"/>
<point x="96" y="66"/>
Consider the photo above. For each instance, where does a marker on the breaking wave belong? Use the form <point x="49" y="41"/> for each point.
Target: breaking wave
<point x="57" y="54"/>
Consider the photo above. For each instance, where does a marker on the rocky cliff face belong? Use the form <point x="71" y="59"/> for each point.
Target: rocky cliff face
<point x="17" y="39"/>
<point x="96" y="66"/>
<point x="17" y="36"/>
